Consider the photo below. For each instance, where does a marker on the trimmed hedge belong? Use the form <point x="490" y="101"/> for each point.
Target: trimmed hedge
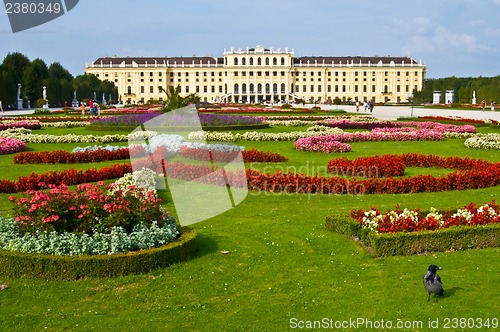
<point x="412" y="243"/>
<point x="49" y="267"/>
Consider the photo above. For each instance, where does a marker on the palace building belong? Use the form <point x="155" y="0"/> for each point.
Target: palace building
<point x="258" y="74"/>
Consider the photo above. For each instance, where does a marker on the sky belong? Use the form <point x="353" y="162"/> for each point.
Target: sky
<point x="452" y="37"/>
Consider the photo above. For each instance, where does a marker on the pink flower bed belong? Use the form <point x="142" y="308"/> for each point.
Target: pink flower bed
<point x="21" y="124"/>
<point x="324" y="143"/>
<point x="386" y="125"/>
<point x="11" y="145"/>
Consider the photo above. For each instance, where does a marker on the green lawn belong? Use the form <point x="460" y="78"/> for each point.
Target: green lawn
<point x="283" y="266"/>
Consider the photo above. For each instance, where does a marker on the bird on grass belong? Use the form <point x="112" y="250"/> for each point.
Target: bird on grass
<point x="432" y="281"/>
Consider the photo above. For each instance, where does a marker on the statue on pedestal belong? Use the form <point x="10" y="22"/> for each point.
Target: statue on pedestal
<point x="44" y="94"/>
<point x="19" y="100"/>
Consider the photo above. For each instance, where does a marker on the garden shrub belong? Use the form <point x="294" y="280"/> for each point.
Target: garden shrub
<point x="50" y="267"/>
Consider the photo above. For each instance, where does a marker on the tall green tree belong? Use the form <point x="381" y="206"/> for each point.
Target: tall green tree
<point x="59" y="87"/>
<point x="34" y="78"/>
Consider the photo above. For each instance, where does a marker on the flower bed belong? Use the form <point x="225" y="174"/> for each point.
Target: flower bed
<point x="251" y="155"/>
<point x="11" y="145"/>
<point x="435" y="126"/>
<point x="252" y="109"/>
<point x="17" y="264"/>
<point x="21" y="124"/>
<point x="314" y="143"/>
<point x="48" y="119"/>
<point x="68" y="177"/>
<point x="488" y="141"/>
<point x="259" y="136"/>
<point x="212" y="120"/>
<point x="65" y="157"/>
<point x="413" y="220"/>
<point x="94" y="219"/>
<point x="409" y="232"/>
<point x="472" y="174"/>
<point x="26" y="136"/>
<point x="376" y="166"/>
<point x="456" y="119"/>
<point x="325" y="146"/>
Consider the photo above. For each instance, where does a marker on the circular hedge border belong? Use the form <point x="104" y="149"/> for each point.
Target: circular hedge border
<point x="50" y="267"/>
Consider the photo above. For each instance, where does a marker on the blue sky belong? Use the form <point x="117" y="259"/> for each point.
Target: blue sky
<point x="452" y="37"/>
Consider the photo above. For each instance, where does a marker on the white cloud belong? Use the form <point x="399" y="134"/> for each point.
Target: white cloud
<point x="443" y="40"/>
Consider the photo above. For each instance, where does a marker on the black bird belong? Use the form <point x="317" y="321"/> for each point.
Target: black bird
<point x="432" y="281"/>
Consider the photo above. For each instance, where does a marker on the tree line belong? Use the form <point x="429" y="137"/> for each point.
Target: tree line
<point x="60" y="84"/>
<point x="487" y="88"/>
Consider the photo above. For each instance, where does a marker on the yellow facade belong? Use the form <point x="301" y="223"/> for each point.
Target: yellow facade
<point x="259" y="75"/>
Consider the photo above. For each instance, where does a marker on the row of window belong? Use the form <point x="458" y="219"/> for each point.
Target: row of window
<point x="267" y="61"/>
<point x="251" y="86"/>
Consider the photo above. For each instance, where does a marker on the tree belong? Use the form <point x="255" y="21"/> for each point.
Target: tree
<point x="174" y="99"/>
<point x="14" y="64"/>
<point x="34" y="78"/>
<point x="59" y="89"/>
<point x="337" y="101"/>
<point x="11" y="73"/>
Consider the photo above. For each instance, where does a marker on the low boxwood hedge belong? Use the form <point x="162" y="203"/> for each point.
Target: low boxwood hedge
<point x="411" y="243"/>
<point x="18" y="264"/>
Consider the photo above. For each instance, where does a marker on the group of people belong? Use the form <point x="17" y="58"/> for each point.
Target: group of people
<point x="93" y="108"/>
<point x="483" y="105"/>
<point x="368" y="105"/>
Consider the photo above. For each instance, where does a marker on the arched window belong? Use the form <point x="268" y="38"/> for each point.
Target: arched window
<point x="129" y="90"/>
<point x="275" y="62"/>
<point x="236" y="88"/>
<point x="386" y="89"/>
<point x="259" y="62"/>
<point x="282" y="87"/>
<point x="251" y="61"/>
<point x="244" y="61"/>
<point x="259" y="88"/>
<point x="268" y="88"/>
<point x="235" y="61"/>
<point x="252" y="88"/>
<point x="244" y="88"/>
<point x="275" y="88"/>
<point x="225" y="61"/>
<point x="282" y="61"/>
<point x="267" y="61"/>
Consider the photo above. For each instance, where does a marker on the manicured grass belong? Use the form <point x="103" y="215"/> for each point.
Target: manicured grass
<point x="282" y="264"/>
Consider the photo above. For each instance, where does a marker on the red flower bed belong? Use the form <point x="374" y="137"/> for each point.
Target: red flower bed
<point x="251" y="155"/>
<point x="68" y="177"/>
<point x="472" y="174"/>
<point x="22" y="124"/>
<point x="452" y="118"/>
<point x="412" y="221"/>
<point x="65" y="157"/>
<point x="368" y="167"/>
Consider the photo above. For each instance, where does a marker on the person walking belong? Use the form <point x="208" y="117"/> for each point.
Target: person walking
<point x="483" y="104"/>
<point x="82" y="106"/>
<point x="493" y="106"/>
